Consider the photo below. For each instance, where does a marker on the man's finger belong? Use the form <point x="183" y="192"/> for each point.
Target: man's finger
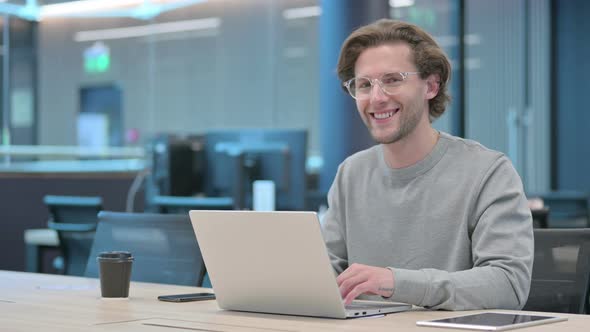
<point x="350" y="271"/>
<point x="356" y="292"/>
<point x="348" y="284"/>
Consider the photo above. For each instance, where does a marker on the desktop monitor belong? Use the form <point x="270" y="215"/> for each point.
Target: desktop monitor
<point x="236" y="158"/>
<point x="177" y="163"/>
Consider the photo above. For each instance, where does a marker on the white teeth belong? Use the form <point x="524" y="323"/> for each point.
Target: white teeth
<point x="383" y="115"/>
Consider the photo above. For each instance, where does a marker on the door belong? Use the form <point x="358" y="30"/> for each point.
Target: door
<point x="100" y="122"/>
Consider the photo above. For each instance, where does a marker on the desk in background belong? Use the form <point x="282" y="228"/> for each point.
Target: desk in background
<point x="30" y="302"/>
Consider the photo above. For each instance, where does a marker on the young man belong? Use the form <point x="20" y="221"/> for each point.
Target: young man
<point x="423" y="217"/>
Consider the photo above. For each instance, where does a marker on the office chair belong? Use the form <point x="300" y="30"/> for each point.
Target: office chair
<point x="74" y="219"/>
<point x="183" y="204"/>
<point x="164" y="247"/>
<point x="561" y="271"/>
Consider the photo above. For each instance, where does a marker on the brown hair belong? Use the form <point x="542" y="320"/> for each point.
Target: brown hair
<point x="429" y="58"/>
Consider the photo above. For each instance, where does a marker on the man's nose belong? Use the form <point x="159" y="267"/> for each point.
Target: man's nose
<point x="377" y="93"/>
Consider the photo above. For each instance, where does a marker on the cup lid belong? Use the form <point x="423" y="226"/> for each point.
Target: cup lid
<point x="125" y="255"/>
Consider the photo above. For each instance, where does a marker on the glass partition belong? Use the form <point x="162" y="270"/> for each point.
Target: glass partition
<point x="214" y="64"/>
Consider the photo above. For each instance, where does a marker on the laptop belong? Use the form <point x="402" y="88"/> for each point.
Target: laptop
<point x="274" y="262"/>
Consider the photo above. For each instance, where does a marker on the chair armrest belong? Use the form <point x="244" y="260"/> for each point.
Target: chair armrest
<point x="41" y="237"/>
<point x="67" y="227"/>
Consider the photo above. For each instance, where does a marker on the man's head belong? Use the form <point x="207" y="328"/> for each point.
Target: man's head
<point x="427" y="57"/>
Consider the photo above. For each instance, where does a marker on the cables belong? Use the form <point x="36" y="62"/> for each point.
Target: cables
<point x="134" y="188"/>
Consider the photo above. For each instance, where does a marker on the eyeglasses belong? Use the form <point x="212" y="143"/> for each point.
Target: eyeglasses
<point x="360" y="87"/>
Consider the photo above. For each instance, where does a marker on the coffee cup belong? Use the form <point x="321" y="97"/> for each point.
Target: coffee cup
<point x="115" y="273"/>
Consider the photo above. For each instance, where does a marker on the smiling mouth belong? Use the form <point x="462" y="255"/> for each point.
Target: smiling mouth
<point x="384" y="115"/>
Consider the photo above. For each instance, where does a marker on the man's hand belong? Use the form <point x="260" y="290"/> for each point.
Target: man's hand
<point x="364" y="279"/>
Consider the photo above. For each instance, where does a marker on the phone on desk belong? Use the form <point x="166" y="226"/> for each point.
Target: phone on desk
<point x="187" y="297"/>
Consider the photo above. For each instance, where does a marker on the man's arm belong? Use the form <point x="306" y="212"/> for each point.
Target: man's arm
<point x="334" y="229"/>
<point x="502" y="251"/>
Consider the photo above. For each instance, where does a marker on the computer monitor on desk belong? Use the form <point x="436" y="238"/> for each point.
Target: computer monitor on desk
<point x="176" y="164"/>
<point x="236" y="158"/>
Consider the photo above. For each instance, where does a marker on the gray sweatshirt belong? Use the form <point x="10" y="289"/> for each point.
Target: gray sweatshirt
<point x="454" y="228"/>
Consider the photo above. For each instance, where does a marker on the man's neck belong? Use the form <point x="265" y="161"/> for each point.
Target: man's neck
<point x="412" y="148"/>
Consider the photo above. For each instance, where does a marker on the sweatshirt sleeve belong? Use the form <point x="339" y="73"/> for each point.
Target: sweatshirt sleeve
<point x="502" y="250"/>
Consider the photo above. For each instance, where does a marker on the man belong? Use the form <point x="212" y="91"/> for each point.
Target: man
<point x="423" y="217"/>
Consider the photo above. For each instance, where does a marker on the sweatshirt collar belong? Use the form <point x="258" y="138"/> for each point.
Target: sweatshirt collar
<point x="420" y="167"/>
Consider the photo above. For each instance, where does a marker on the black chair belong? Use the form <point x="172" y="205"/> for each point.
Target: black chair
<point x="164" y="247"/>
<point x="74" y="219"/>
<point x="561" y="271"/>
<point x="183" y="204"/>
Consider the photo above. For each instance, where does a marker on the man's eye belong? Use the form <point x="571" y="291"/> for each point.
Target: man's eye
<point x="363" y="84"/>
<point x="391" y="79"/>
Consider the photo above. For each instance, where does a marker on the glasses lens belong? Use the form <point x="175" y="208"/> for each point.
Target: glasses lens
<point x="391" y="82"/>
<point x="360" y="87"/>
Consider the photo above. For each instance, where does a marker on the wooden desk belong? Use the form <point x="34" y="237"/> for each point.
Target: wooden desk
<point x="30" y="302"/>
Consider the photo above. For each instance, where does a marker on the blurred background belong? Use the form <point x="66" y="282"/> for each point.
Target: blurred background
<point x="144" y="103"/>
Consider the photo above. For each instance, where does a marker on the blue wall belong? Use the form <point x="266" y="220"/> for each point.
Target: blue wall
<point x="572" y="48"/>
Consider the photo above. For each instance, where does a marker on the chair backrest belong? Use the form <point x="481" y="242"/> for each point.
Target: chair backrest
<point x="74" y="218"/>
<point x="182" y="204"/>
<point x="164" y="246"/>
<point x="561" y="271"/>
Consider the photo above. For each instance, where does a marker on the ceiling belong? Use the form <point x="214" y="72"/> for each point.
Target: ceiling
<point x="37" y="10"/>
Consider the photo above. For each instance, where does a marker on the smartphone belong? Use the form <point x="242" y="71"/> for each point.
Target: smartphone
<point x="187" y="297"/>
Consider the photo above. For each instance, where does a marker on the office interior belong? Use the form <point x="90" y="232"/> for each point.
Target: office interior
<point x="163" y="106"/>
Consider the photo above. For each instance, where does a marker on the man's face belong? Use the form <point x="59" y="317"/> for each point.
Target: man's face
<point x="390" y="118"/>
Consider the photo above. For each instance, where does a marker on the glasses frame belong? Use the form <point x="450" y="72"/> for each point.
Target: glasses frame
<point x="404" y="75"/>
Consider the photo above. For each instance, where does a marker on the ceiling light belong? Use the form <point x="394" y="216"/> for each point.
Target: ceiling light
<point x="302" y="12"/>
<point x="84" y="6"/>
<point x="401" y="3"/>
<point x="142" y="9"/>
<point x="147" y="30"/>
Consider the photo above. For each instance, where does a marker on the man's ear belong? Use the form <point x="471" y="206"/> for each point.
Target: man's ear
<point x="433" y="85"/>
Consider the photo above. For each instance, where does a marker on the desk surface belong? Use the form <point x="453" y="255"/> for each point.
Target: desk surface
<point x="30" y="302"/>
